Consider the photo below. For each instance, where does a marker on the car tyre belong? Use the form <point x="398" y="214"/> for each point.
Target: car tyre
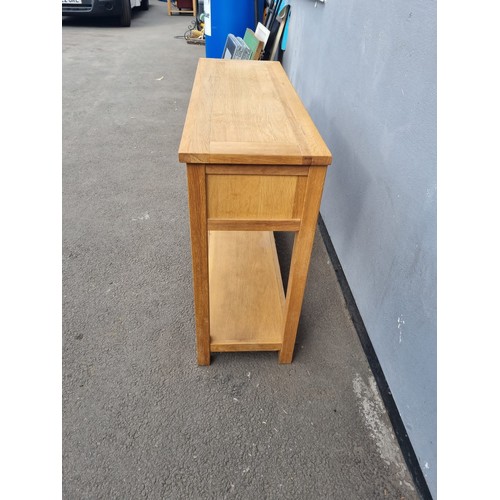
<point x="126" y="15"/>
<point x="144" y="4"/>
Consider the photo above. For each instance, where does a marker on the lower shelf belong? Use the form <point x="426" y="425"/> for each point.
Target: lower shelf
<point x="246" y="292"/>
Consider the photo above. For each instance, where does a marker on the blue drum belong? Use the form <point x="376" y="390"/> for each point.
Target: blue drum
<point x="227" y="16"/>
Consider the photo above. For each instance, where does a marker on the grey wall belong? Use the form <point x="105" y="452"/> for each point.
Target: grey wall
<point x="366" y="71"/>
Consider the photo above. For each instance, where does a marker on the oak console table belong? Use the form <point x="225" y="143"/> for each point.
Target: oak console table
<point x="255" y="164"/>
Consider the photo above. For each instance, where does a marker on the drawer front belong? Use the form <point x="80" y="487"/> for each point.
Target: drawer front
<point x="258" y="197"/>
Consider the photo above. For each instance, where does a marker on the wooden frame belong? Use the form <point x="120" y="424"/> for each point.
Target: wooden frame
<point x="179" y="11"/>
<point x="235" y="206"/>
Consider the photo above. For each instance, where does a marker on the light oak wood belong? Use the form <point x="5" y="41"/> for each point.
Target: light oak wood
<point x="256" y="164"/>
<point x="300" y="194"/>
<point x="253" y="225"/>
<point x="242" y="347"/>
<point x="199" y="250"/>
<point x="256" y="170"/>
<point x="246" y="291"/>
<point x="252" y="196"/>
<point x="299" y="265"/>
<point x="247" y="112"/>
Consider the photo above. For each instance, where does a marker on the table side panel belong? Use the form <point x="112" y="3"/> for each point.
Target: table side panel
<point x="258" y="197"/>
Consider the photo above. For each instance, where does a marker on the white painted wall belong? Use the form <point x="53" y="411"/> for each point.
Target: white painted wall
<point x="366" y="71"/>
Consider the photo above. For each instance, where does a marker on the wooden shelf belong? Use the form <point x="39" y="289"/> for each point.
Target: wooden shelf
<point x="178" y="10"/>
<point x="246" y="292"/>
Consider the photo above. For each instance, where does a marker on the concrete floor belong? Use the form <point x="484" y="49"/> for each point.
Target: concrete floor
<point x="140" y="418"/>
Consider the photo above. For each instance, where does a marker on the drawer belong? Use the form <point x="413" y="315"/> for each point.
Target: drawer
<point x="257" y="197"/>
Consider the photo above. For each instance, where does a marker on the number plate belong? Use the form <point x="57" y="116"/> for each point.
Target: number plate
<point x="72" y="1"/>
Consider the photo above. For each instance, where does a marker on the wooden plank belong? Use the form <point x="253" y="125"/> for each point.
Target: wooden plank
<point x="257" y="170"/>
<point x="246" y="291"/>
<point x="199" y="250"/>
<point x="258" y="152"/>
<point x="297" y="113"/>
<point x="251" y="196"/>
<point x="242" y="346"/>
<point x="253" y="225"/>
<point x="251" y="115"/>
<point x="299" y="266"/>
<point x="195" y="130"/>
<point x="300" y="192"/>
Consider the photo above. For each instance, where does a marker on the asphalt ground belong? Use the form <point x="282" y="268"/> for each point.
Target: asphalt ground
<point x="140" y="418"/>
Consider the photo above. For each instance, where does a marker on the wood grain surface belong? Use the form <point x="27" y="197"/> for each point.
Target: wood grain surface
<point x="247" y="112"/>
<point x="254" y="196"/>
<point x="246" y="291"/>
<point x="199" y="251"/>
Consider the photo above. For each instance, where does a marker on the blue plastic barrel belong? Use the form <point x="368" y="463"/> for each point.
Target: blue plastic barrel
<point x="227" y="16"/>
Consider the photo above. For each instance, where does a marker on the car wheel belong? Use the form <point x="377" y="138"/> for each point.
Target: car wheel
<point x="126" y="14"/>
<point x="144" y="4"/>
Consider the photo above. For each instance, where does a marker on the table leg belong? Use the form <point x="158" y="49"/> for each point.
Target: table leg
<point x="301" y="255"/>
<point x="199" y="250"/>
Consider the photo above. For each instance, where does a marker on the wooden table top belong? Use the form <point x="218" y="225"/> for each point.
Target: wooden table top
<point x="247" y="112"/>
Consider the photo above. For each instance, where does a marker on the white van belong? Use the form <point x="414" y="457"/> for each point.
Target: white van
<point x="120" y="9"/>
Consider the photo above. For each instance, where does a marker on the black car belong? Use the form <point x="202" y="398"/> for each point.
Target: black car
<point x="120" y="9"/>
